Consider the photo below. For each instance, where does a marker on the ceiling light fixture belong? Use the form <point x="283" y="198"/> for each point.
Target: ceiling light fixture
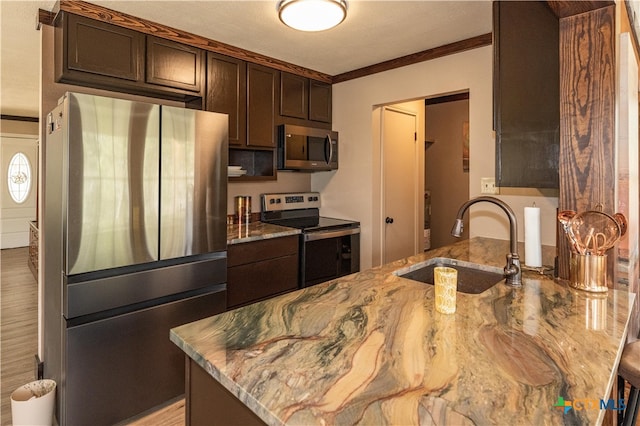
<point x="312" y="15"/>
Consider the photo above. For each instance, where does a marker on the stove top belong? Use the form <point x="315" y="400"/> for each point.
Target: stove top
<point x="301" y="211"/>
<point x="311" y="224"/>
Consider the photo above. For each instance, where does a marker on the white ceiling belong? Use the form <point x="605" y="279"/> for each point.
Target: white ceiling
<point x="373" y="32"/>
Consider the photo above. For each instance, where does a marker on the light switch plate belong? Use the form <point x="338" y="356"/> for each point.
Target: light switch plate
<point x="488" y="186"/>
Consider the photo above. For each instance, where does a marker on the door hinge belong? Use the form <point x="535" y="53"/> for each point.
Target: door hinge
<point x="415" y="136"/>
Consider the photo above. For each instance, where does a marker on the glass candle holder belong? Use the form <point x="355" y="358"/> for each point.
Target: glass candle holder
<point x="446" y="283"/>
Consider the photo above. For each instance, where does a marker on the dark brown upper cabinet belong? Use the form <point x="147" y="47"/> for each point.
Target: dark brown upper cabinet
<point x="319" y="101"/>
<point x="96" y="54"/>
<point x="246" y="92"/>
<point x="95" y="51"/>
<point x="526" y="94"/>
<point x="304" y="101"/>
<point x="294" y="95"/>
<point x="227" y="93"/>
<point x="174" y="65"/>
<point x="262" y="94"/>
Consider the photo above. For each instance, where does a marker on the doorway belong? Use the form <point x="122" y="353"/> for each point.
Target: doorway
<point x="446" y="174"/>
<point x="18" y="172"/>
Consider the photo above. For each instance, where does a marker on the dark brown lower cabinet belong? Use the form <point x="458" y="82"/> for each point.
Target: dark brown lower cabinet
<point x="261" y="269"/>
<point x="208" y="403"/>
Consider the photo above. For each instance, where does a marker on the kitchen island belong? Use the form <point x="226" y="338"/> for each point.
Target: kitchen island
<point x="370" y="348"/>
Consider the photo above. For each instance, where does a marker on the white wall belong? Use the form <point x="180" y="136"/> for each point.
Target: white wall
<point x="353" y="191"/>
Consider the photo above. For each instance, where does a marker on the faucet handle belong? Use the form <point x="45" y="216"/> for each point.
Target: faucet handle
<point x="512" y="270"/>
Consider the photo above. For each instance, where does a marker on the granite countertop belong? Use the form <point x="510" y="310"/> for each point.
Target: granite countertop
<point x="255" y="231"/>
<point x="370" y="348"/>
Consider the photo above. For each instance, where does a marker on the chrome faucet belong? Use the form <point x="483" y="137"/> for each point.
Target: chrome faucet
<point x="512" y="270"/>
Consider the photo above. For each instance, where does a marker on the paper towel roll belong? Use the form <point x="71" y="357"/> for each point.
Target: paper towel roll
<point x="532" y="244"/>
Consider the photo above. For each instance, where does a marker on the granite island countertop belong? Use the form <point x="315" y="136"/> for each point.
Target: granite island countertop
<point x="370" y="348"/>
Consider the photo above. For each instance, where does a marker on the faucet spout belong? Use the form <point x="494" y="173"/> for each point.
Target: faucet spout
<point x="512" y="270"/>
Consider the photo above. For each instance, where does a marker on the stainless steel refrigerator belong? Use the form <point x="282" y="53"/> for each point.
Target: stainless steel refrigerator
<point x="134" y="236"/>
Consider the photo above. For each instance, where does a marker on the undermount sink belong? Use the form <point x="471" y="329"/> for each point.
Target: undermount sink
<point x="472" y="278"/>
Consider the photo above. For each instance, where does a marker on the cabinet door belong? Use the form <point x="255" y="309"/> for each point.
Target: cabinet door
<point x="319" y="101"/>
<point x="526" y="94"/>
<point x="262" y="84"/>
<point x="294" y="91"/>
<point x="227" y="93"/>
<point x="174" y="65"/>
<point x="92" y="49"/>
<point x="261" y="269"/>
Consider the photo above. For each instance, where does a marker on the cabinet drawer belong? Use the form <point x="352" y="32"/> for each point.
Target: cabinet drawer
<point x="127" y="362"/>
<point x="255" y="251"/>
<point x="260" y="280"/>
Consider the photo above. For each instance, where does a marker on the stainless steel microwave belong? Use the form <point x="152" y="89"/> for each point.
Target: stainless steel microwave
<point x="307" y="149"/>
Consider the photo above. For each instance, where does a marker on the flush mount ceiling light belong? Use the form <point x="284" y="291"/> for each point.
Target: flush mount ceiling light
<point x="312" y="15"/>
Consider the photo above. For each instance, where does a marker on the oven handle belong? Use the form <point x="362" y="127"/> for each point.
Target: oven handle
<point x="323" y="235"/>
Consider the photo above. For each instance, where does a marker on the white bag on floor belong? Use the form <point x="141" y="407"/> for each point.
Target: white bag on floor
<point x="32" y="404"/>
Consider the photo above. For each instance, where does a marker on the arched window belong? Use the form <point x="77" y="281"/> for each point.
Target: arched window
<point x="19" y="177"/>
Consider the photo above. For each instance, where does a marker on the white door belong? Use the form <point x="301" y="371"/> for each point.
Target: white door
<point x="399" y="180"/>
<point x="18" y="173"/>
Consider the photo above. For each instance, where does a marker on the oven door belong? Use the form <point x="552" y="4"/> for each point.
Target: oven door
<point x="329" y="254"/>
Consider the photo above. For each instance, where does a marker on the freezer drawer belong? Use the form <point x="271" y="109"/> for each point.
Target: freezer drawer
<point x="124" y="365"/>
<point x="99" y="295"/>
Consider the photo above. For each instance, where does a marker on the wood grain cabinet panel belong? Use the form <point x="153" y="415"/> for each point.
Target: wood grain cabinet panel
<point x="246" y="92"/>
<point x="174" y="65"/>
<point x="261" y="269"/>
<point x="294" y="93"/>
<point x="304" y="102"/>
<point x="207" y="402"/>
<point x="91" y="49"/>
<point x="227" y="93"/>
<point x="319" y="101"/>
<point x="97" y="54"/>
<point x="262" y="84"/>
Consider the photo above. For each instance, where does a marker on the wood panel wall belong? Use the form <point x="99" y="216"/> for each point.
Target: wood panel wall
<point x="587" y="116"/>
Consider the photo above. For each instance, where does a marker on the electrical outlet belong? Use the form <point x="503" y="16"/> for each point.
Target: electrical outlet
<point x="488" y="186"/>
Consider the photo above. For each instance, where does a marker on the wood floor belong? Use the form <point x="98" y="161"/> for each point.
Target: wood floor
<point x="18" y="326"/>
<point x="19" y="339"/>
